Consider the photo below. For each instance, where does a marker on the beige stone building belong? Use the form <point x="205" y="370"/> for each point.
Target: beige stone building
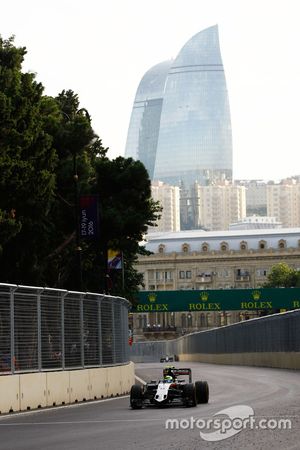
<point x="256" y="196"/>
<point x="209" y="260"/>
<point x="169" y="198"/>
<point x="283" y="202"/>
<point x="219" y="205"/>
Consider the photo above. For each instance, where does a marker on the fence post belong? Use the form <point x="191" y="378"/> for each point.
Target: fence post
<point x="81" y="330"/>
<point x="63" y="295"/>
<point x="12" y="329"/>
<point x="39" y="328"/>
<point x="100" y="332"/>
<point x="113" y="328"/>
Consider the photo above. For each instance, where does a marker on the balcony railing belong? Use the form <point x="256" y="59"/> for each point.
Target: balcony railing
<point x="242" y="278"/>
<point x="204" y="279"/>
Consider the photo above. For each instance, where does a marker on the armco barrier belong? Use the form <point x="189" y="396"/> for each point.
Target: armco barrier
<point x="36" y="390"/>
<point x="271" y="341"/>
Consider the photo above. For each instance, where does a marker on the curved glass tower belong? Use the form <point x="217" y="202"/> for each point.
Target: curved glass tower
<point x="195" y="142"/>
<point x="180" y="125"/>
<point x="144" y="124"/>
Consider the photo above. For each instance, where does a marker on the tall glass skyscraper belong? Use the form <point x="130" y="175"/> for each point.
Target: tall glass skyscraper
<point x="145" y="118"/>
<point x="180" y="125"/>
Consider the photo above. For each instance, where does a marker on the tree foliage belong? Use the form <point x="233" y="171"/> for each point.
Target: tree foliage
<point x="27" y="167"/>
<point x="282" y="275"/>
<point x="126" y="210"/>
<point x="49" y="156"/>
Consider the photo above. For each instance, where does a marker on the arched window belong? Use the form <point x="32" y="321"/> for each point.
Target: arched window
<point x="282" y="243"/>
<point x="243" y="245"/>
<point x="262" y="245"/>
<point x="185" y="248"/>
<point x="202" y="320"/>
<point x="224" y="246"/>
<point x="205" y="247"/>
<point x="209" y="319"/>
<point x="161" y="248"/>
<point x="140" y="321"/>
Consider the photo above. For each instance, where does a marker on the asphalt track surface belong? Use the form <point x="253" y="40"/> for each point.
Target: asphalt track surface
<point x="112" y="425"/>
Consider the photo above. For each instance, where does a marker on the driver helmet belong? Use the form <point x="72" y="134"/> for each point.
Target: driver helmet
<point x="168" y="379"/>
<point x="168" y="370"/>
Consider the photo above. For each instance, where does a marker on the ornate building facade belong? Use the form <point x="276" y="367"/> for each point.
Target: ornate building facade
<point x="209" y="260"/>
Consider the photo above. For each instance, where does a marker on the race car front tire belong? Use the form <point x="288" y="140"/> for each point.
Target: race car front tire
<point x="136" y="397"/>
<point x="202" y="391"/>
<point x="189" y="395"/>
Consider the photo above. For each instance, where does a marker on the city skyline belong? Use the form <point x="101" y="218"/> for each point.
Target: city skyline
<point x="101" y="51"/>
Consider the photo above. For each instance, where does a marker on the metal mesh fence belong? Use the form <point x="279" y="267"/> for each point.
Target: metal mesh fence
<point x="276" y="333"/>
<point x="51" y="329"/>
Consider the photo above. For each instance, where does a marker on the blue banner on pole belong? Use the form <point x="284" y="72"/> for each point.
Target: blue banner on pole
<point x="89" y="216"/>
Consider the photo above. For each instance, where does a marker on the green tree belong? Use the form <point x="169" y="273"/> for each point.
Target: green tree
<point x="282" y="275"/>
<point x="76" y="146"/>
<point x="49" y="156"/>
<point x="27" y="164"/>
<point x="126" y="210"/>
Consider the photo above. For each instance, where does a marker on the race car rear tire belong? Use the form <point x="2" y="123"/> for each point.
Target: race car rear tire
<point x="189" y="395"/>
<point x="202" y="391"/>
<point x="136" y="397"/>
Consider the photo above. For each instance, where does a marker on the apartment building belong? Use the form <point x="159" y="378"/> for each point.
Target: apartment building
<point x="169" y="198"/>
<point x="283" y="202"/>
<point x="219" y="205"/>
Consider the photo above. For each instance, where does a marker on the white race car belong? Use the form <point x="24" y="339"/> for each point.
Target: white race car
<point x="170" y="390"/>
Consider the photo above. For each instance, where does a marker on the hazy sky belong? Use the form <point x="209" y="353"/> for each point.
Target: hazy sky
<point x="101" y="49"/>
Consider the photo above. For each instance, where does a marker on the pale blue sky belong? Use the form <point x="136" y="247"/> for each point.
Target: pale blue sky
<point x="101" y="49"/>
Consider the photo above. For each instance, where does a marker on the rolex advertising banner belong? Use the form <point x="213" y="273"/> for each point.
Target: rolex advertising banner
<point x="88" y="216"/>
<point x="218" y="300"/>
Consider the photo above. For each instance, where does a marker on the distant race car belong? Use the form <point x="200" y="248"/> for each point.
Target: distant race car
<point x="167" y="359"/>
<point x="170" y="390"/>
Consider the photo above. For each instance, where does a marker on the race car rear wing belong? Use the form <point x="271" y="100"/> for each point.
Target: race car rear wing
<point x="179" y="372"/>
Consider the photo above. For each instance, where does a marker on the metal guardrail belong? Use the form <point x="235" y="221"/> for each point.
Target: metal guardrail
<point x="50" y="329"/>
<point x="274" y="333"/>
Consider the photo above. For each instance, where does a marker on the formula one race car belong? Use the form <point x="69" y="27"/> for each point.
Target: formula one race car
<point x="170" y="390"/>
<point x="167" y="359"/>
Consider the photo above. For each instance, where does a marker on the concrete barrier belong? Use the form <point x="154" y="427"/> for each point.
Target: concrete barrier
<point x="33" y="390"/>
<point x="127" y="378"/>
<point x="58" y="391"/>
<point x="37" y="390"/>
<point x="264" y="359"/>
<point x="114" y="382"/>
<point x="98" y="383"/>
<point x="9" y="393"/>
<point x="79" y="385"/>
